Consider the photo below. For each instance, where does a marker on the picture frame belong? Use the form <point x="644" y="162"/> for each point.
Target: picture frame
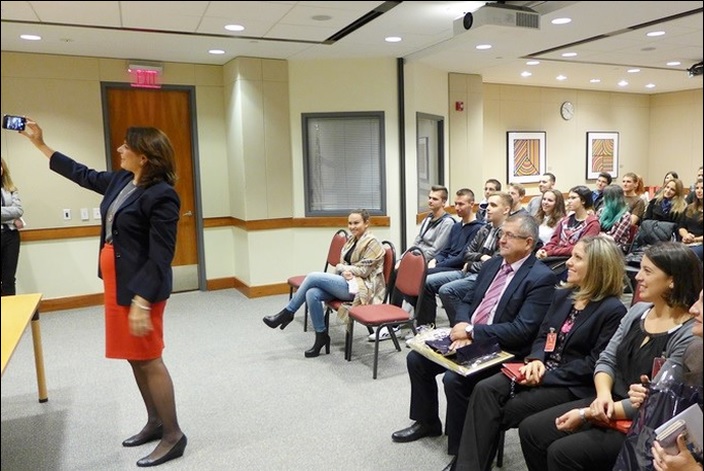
<point x="526" y="156"/>
<point x="602" y="153"/>
<point x="423" y="160"/>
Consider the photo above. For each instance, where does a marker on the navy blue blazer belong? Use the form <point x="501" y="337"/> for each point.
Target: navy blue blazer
<point x="143" y="230"/>
<point x="589" y="335"/>
<point x="521" y="308"/>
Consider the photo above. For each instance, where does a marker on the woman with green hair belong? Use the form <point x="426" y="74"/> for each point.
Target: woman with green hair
<point x="615" y="218"/>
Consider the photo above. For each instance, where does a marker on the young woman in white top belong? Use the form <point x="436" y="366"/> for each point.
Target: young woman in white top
<point x="552" y="209"/>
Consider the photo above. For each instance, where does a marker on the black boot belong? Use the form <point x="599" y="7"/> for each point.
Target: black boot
<point x="322" y="339"/>
<point x="281" y="319"/>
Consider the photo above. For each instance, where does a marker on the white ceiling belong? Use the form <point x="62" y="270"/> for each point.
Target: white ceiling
<point x="609" y="37"/>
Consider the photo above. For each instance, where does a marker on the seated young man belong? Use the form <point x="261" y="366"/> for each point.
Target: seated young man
<point x="450" y="260"/>
<point x="513" y="292"/>
<point x="492" y="185"/>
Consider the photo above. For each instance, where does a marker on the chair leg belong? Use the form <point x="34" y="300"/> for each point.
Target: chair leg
<point x="376" y="351"/>
<point x="393" y="337"/>
<point x="305" y="318"/>
<point x="348" y="340"/>
<point x="500" y="449"/>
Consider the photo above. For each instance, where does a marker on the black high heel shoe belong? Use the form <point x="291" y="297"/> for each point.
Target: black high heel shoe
<point x="282" y="319"/>
<point x="141" y="439"/>
<point x="322" y="339"/>
<point x="176" y="451"/>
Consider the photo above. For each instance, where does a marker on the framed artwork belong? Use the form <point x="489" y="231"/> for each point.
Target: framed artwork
<point x="423" y="159"/>
<point x="526" y="156"/>
<point x="602" y="154"/>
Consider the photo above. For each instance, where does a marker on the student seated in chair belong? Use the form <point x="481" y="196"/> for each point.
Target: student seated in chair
<point x="584" y="314"/>
<point x="359" y="278"/>
<point x="513" y="292"/>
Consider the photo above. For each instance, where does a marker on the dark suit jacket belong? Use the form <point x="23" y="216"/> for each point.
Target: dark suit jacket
<point x="143" y="231"/>
<point x="521" y="308"/>
<point x="589" y="335"/>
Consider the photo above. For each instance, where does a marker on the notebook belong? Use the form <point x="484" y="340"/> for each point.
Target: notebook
<point x="689" y="421"/>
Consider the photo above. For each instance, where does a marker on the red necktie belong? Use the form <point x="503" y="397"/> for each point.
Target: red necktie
<point x="481" y="314"/>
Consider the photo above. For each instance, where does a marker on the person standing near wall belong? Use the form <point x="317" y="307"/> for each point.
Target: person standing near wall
<point x="139" y="218"/>
<point x="11" y="221"/>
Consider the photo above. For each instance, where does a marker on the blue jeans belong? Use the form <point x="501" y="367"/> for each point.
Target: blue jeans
<point x="453" y="293"/>
<point x="317" y="288"/>
<point x="427" y="311"/>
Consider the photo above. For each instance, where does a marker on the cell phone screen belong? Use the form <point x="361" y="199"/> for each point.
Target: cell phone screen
<point x="14" y="123"/>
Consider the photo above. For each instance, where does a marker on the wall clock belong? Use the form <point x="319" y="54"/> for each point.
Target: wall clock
<point x="567" y="110"/>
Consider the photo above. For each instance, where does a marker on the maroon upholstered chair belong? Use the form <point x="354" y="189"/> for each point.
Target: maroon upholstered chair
<point x="410" y="280"/>
<point x="389" y="263"/>
<point x="334" y="251"/>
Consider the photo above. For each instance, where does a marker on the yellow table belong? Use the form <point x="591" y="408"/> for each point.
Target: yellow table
<point x="17" y="312"/>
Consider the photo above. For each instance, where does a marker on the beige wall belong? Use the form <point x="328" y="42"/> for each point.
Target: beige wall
<point x="242" y="147"/>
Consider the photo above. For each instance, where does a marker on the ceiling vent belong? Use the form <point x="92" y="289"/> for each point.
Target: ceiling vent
<point x="498" y="14"/>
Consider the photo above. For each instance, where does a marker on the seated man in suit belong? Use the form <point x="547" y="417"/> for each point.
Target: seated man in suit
<point x="513" y="292"/>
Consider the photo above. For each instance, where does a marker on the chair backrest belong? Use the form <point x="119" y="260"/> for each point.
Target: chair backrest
<point x="636" y="293"/>
<point x="632" y="233"/>
<point x="389" y="264"/>
<point x="411" y="273"/>
<point x="335" y="250"/>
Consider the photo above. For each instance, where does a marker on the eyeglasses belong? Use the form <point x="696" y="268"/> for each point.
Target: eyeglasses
<point x="512" y="236"/>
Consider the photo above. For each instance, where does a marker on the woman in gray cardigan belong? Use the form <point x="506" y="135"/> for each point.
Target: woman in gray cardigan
<point x="577" y="435"/>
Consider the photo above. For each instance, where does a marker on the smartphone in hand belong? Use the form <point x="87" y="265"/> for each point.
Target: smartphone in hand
<point x="13" y="122"/>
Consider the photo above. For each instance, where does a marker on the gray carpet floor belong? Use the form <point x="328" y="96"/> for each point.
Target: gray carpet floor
<point x="247" y="398"/>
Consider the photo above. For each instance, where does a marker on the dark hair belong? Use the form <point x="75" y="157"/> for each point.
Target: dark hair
<point x="466" y="192"/>
<point x="157" y="148"/>
<point x="362" y="212"/>
<point x="551" y="176"/>
<point x="607" y="176"/>
<point x="585" y="194"/>
<point x="678" y="261"/>
<point x="495" y="182"/>
<point x="441" y="189"/>
<point x="528" y="225"/>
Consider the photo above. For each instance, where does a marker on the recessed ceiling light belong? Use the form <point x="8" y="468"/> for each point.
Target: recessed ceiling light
<point x="321" y="17"/>
<point x="569" y="54"/>
<point x="674" y="63"/>
<point x="622" y="83"/>
<point x="650" y="85"/>
<point x="560" y="77"/>
<point x="482" y="47"/>
<point x="633" y="71"/>
<point x="526" y="74"/>
<point x="31" y="37"/>
<point x="561" y="21"/>
<point x="392" y="39"/>
<point x="654" y="34"/>
<point x="532" y="62"/>
<point x="216" y="51"/>
<point x="595" y="81"/>
<point x="234" y="27"/>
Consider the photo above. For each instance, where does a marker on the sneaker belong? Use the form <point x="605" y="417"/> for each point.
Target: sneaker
<point x="383" y="335"/>
<point x="421" y="329"/>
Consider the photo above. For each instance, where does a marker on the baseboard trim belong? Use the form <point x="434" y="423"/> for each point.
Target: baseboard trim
<point x="88" y="300"/>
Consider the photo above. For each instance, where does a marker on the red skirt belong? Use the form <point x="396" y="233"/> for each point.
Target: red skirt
<point x="119" y="341"/>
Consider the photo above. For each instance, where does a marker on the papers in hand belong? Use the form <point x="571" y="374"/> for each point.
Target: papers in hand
<point x="689" y="422"/>
<point x="464" y="361"/>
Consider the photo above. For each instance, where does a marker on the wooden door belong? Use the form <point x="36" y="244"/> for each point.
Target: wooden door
<point x="168" y="110"/>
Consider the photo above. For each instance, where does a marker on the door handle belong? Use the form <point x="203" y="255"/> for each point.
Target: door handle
<point x="188" y="213"/>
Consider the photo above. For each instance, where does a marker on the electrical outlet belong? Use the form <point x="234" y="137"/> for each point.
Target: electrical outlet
<point x="96" y="213"/>
<point x="67" y="214"/>
<point x="84" y="214"/>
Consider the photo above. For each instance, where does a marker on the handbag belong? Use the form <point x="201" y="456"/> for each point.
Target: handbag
<point x="662" y="404"/>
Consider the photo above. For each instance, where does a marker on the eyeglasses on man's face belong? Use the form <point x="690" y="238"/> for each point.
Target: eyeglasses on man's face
<point x="512" y="236"/>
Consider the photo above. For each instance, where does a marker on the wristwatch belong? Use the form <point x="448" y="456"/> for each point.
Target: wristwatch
<point x="469" y="330"/>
